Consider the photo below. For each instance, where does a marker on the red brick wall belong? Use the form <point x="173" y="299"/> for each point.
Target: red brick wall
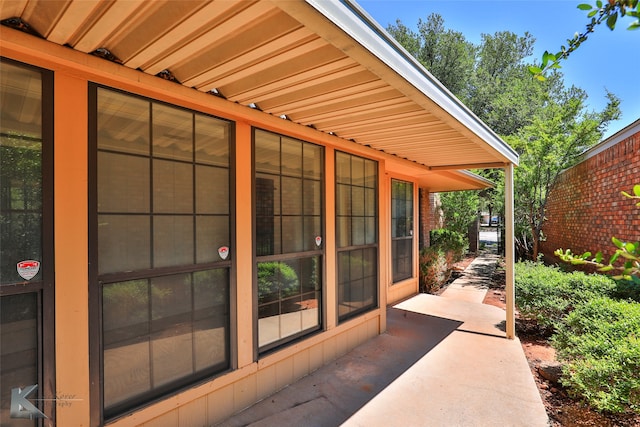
<point x="585" y="208"/>
<point x="430" y="215"/>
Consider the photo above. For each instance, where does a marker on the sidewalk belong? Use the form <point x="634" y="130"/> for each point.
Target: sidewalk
<point x="443" y="361"/>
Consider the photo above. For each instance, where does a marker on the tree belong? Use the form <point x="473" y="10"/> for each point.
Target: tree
<point x="460" y="209"/>
<point x="551" y="143"/>
<point x="445" y="53"/>
<point x="602" y="12"/>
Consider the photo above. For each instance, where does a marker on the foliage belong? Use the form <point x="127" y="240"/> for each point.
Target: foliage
<point x="445" y="53"/>
<point x="625" y="260"/>
<point x="436" y="261"/>
<point x="276" y="280"/>
<point x="450" y="241"/>
<point x="434" y="271"/>
<point x="548" y="295"/>
<point x="608" y="12"/>
<point x="460" y="210"/>
<point x="550" y="144"/>
<point x="600" y="343"/>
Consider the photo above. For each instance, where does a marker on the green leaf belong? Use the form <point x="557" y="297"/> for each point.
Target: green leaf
<point x="617" y="242"/>
<point x="598" y="258"/>
<point x="636" y="190"/>
<point x="592" y="13"/>
<point x="611" y="21"/>
<point x="606" y="268"/>
<point x="535" y="70"/>
<point x="585" y="6"/>
<point x="599" y="4"/>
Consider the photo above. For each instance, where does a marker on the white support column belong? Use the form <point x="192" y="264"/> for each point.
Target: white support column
<point x="509" y="251"/>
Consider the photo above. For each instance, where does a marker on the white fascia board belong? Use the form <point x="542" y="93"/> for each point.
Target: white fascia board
<point x="621" y="135"/>
<point x="360" y="26"/>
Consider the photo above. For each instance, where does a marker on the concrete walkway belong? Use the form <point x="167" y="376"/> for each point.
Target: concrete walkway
<point x="443" y="361"/>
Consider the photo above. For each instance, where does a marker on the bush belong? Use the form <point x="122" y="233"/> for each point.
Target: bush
<point x="448" y="240"/>
<point x="434" y="269"/>
<point x="548" y="295"/>
<point x="600" y="343"/>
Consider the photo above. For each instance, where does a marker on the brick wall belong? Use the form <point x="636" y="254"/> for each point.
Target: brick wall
<point x="431" y="216"/>
<point x="585" y="208"/>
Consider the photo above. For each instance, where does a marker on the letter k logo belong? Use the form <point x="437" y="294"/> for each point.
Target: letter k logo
<point x="21" y="407"/>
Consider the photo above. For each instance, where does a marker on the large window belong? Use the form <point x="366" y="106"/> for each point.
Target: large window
<point x="163" y="229"/>
<point x="289" y="221"/>
<point x="356" y="234"/>
<point x="401" y="229"/>
<point x="26" y="243"/>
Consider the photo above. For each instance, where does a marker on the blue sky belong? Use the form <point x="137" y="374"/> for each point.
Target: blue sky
<point x="608" y="59"/>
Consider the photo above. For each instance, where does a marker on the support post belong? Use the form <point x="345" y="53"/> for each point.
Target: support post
<point x="509" y="251"/>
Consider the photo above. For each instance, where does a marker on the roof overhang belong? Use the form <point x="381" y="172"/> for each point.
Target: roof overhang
<point x="321" y="64"/>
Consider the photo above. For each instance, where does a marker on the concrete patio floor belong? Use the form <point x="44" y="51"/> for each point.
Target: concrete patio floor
<point x="444" y="361"/>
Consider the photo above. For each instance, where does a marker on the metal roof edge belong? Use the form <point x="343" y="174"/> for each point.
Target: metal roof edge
<point x="621" y="135"/>
<point x="359" y="25"/>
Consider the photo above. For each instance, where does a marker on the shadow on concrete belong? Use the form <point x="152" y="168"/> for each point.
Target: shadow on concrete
<point x="333" y="393"/>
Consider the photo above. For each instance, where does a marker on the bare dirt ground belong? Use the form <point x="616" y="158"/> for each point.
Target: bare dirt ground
<point x="563" y="411"/>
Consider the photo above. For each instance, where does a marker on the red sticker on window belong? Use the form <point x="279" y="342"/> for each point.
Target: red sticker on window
<point x="28" y="269"/>
<point x="223" y="251"/>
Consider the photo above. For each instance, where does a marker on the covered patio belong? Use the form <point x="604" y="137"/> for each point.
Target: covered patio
<point x="194" y="93"/>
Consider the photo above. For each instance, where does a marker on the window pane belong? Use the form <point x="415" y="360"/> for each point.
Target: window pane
<point x="172" y="133"/>
<point x="288" y="218"/>
<point x="172" y="240"/>
<point x="171" y="339"/>
<point x="212" y="232"/>
<point x="159" y="331"/>
<point x="285" y="307"/>
<point x="211" y="318"/>
<point x="123" y="243"/>
<point x="343" y="199"/>
<point x="123" y="183"/>
<point x="357" y="171"/>
<point x="172" y="187"/>
<point x="402" y="251"/>
<point x="267" y="148"/>
<point x="20" y="169"/>
<point x="212" y="190"/>
<point x="402" y="229"/>
<point x="125" y="311"/>
<point x="312" y="229"/>
<point x="292" y="234"/>
<point x="291" y="196"/>
<point x="356" y="225"/>
<point x="19" y="344"/>
<point x="123" y="122"/>
<point x="343" y="168"/>
<point x="312" y="161"/>
<point x="291" y="157"/>
<point x="212" y="141"/>
<point x="312" y="194"/>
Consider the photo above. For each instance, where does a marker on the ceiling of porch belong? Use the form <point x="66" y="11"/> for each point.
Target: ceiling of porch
<point x="325" y="65"/>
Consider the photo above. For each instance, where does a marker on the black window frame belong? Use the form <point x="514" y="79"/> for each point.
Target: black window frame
<point x="351" y="248"/>
<point x="98" y="413"/>
<point x="45" y="287"/>
<point x="406" y="232"/>
<point x="284" y="256"/>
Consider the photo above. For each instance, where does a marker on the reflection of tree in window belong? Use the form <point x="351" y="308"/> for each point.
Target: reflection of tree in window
<point x="288" y="214"/>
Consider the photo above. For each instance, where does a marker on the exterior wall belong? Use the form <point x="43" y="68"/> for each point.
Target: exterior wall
<point x="252" y="378"/>
<point x="585" y="208"/>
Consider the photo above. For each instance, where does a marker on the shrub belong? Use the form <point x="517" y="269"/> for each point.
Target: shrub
<point x="434" y="270"/>
<point x="548" y="295"/>
<point x="448" y="240"/>
<point x="600" y="343"/>
<point x="276" y="280"/>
